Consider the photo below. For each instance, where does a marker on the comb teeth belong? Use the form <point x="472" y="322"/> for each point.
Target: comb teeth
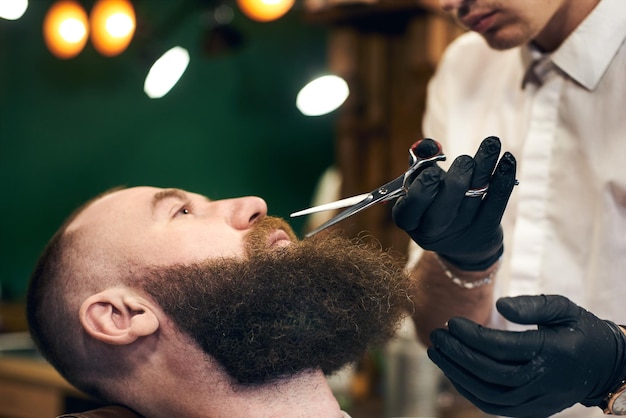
<point x="427" y="148"/>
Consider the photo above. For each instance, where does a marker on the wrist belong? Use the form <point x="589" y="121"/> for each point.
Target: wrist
<point x="612" y="400"/>
<point x="468" y="279"/>
<point x="615" y="401"/>
<point x="474" y="265"/>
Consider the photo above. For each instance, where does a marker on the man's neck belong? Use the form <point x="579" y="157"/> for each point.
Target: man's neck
<point x="305" y="395"/>
<point x="563" y="23"/>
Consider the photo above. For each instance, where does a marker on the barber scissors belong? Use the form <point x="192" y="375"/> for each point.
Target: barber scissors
<point x="421" y="154"/>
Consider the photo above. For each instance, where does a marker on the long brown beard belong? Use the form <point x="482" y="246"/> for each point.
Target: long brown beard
<point x="318" y="303"/>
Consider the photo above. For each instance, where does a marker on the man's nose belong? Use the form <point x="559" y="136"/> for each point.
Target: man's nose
<point x="247" y="210"/>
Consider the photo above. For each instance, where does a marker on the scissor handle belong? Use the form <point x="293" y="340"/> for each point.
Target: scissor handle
<point x="424" y="149"/>
<point x="422" y="154"/>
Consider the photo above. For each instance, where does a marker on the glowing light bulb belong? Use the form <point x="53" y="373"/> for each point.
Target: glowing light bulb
<point x="265" y="10"/>
<point x="322" y="95"/>
<point x="165" y="72"/>
<point x="119" y="25"/>
<point x="72" y="30"/>
<point x="13" y="9"/>
<point x="65" y="29"/>
<point x="112" y="26"/>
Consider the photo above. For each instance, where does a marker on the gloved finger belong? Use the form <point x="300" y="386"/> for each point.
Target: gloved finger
<point x="509" y="372"/>
<point x="486" y="159"/>
<point x="478" y="389"/>
<point x="445" y="207"/>
<point x="503" y="346"/>
<point x="500" y="189"/>
<point x="517" y="402"/>
<point x="484" y="406"/>
<point x="527" y="409"/>
<point x="541" y="310"/>
<point x="492" y="405"/>
<point x="407" y="212"/>
<point x="465" y="382"/>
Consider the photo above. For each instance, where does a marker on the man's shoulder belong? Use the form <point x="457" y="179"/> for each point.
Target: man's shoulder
<point x="105" y="412"/>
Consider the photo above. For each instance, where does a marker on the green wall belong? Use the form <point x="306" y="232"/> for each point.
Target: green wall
<point x="70" y="129"/>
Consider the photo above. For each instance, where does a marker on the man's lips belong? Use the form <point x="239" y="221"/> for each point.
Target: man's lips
<point x="479" y="22"/>
<point x="278" y="238"/>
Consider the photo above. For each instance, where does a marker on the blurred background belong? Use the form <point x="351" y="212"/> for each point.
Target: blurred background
<point x="71" y="128"/>
<point x="240" y="112"/>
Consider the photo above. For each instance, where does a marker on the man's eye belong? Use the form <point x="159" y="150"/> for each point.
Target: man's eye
<point x="185" y="210"/>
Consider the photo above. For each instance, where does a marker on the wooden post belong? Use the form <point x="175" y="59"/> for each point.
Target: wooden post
<point x="386" y="50"/>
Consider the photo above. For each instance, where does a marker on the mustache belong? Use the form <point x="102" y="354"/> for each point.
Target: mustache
<point x="256" y="240"/>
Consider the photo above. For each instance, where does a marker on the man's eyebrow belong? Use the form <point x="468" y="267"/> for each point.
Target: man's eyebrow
<point x="166" y="194"/>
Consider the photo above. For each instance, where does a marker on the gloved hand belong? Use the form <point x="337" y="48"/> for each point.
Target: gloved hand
<point x="464" y="230"/>
<point x="572" y="357"/>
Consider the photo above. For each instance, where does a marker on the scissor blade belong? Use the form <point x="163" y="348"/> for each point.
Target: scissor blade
<point x="363" y="204"/>
<point x="323" y="226"/>
<point x="338" y="204"/>
<point x="385" y="192"/>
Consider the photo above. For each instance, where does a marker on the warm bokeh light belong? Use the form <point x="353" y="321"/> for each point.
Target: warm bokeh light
<point x="112" y="26"/>
<point x="165" y="72"/>
<point x="264" y="10"/>
<point x="12" y="9"/>
<point x="322" y="95"/>
<point x="65" y="29"/>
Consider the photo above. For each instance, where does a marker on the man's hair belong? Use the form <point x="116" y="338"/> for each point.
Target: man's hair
<point x="52" y="305"/>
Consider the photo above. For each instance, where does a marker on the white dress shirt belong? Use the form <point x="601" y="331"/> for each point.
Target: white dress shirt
<point x="563" y="116"/>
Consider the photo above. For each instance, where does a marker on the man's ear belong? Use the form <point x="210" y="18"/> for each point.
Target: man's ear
<point x="118" y="316"/>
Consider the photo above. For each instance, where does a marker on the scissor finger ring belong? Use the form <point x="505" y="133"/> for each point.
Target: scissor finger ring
<point x="480" y="192"/>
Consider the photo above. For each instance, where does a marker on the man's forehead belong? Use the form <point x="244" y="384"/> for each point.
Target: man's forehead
<point x="112" y="204"/>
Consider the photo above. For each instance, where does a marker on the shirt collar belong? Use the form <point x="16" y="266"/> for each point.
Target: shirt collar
<point x="587" y="53"/>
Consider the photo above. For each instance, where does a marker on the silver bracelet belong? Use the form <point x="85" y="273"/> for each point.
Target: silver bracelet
<point x="462" y="283"/>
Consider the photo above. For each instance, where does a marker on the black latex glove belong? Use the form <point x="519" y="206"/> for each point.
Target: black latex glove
<point x="463" y="230"/>
<point x="572" y="357"/>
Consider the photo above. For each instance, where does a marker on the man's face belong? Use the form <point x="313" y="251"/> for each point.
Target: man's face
<point x="262" y="303"/>
<point x="509" y="23"/>
<point x="155" y="226"/>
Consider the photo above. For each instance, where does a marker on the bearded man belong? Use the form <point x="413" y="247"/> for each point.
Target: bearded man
<point x="169" y="304"/>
